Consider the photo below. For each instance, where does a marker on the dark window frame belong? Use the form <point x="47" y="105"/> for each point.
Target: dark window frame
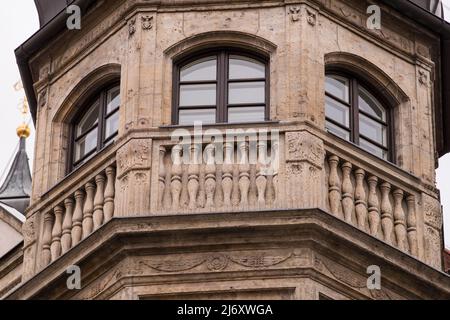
<point x="222" y="82"/>
<point x="102" y="141"/>
<point x="354" y="112"/>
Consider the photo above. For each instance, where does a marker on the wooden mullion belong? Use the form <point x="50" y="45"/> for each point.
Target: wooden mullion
<point x="329" y="95"/>
<point x="373" y="118"/>
<point x="340" y="125"/>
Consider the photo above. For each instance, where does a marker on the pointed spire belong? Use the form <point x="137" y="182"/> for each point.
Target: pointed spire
<point x="16" y="189"/>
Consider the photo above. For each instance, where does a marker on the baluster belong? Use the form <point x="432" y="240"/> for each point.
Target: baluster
<point x="374" y="204"/>
<point x="412" y="225"/>
<point x="194" y="176"/>
<point x="56" y="233"/>
<point x="210" y="175"/>
<point x="77" y="230"/>
<point x="227" y="174"/>
<point x="275" y="156"/>
<point x="261" y="176"/>
<point x="400" y="220"/>
<point x="108" y="208"/>
<point x="244" y="173"/>
<point x="386" y="212"/>
<point x="66" y="239"/>
<point x="348" y="193"/>
<point x="99" y="201"/>
<point x="360" y="199"/>
<point x="335" y="195"/>
<point x="162" y="176"/>
<point x="176" y="183"/>
<point x="47" y="239"/>
<point x="88" y="210"/>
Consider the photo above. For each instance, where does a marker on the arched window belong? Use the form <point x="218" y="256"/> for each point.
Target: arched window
<point x="354" y="113"/>
<point x="97" y="125"/>
<point x="222" y="86"/>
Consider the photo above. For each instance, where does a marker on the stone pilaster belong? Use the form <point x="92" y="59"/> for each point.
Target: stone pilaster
<point x="305" y="172"/>
<point x="133" y="178"/>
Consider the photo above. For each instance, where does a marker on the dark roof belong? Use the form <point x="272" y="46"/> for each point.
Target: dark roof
<point x="426" y="12"/>
<point x="16" y="189"/>
<point x="48" y="9"/>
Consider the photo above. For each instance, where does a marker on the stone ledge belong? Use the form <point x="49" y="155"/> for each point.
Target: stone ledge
<point x="216" y="233"/>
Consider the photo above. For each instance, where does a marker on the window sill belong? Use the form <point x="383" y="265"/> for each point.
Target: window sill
<point x="222" y="125"/>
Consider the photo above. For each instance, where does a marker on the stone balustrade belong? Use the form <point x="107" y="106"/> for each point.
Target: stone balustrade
<point x="371" y="203"/>
<point x="232" y="176"/>
<point x="79" y="214"/>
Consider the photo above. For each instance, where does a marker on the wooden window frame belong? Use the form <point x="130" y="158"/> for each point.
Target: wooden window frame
<point x="354" y="113"/>
<point x="102" y="141"/>
<point x="222" y="83"/>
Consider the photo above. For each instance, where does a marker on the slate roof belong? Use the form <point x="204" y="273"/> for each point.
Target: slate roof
<point x="16" y="189"/>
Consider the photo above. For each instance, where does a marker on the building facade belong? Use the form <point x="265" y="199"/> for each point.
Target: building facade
<point x="330" y="172"/>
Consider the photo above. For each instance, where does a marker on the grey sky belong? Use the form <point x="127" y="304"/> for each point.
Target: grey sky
<point x="17" y="24"/>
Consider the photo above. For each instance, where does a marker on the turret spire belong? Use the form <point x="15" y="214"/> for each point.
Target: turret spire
<point x="16" y="189"/>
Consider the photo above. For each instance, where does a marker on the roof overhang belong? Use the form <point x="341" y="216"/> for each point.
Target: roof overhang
<point x="53" y="20"/>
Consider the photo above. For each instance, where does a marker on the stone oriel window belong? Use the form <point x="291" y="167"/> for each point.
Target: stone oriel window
<point x="221" y="86"/>
<point x="96" y="126"/>
<point x="356" y="114"/>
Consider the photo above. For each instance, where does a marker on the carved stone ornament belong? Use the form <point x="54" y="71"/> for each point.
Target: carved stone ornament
<point x="423" y="78"/>
<point x="29" y="231"/>
<point x="294" y="12"/>
<point x="432" y="212"/>
<point x="147" y="22"/>
<point x="302" y="146"/>
<point x="135" y="155"/>
<point x="132" y="27"/>
<point x="217" y="262"/>
<point x="311" y="17"/>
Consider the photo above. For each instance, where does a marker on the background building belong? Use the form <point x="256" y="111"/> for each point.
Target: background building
<point x="361" y="114"/>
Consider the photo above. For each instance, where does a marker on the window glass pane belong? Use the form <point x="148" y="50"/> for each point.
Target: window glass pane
<point x="200" y="70"/>
<point x="112" y="125"/>
<point x="372" y="130"/>
<point x="188" y="117"/>
<point x="338" y="87"/>
<point x="370" y="105"/>
<point x="247" y="92"/>
<point x="246" y="68"/>
<point x="369" y="147"/>
<point x="337" y="111"/>
<point x="86" y="145"/>
<point x="198" y="95"/>
<point x="113" y="99"/>
<point x="89" y="120"/>
<point x="338" y="131"/>
<point x="246" y="114"/>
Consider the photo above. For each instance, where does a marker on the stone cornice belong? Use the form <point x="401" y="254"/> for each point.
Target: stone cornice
<point x="215" y="232"/>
